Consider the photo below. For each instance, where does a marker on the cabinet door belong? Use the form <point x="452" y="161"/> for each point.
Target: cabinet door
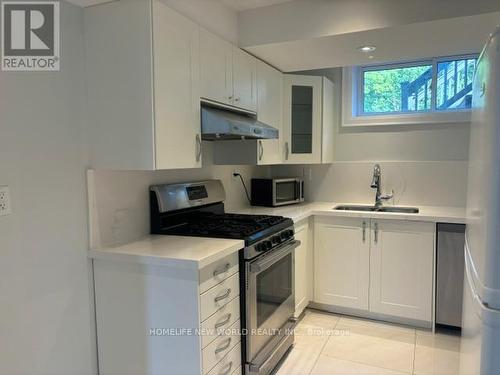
<point x="269" y="111"/>
<point x="341" y="261"/>
<point x="176" y="90"/>
<point x="216" y="68"/>
<point x="402" y="256"/>
<point x="244" y="80"/>
<point x="303" y="260"/>
<point x="302" y="118"/>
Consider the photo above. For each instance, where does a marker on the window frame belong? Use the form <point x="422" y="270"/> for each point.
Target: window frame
<point x="353" y="100"/>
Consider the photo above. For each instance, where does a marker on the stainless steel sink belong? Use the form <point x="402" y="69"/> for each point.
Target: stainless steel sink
<point x="395" y="209"/>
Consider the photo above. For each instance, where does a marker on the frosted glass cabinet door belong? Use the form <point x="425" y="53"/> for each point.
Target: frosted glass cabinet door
<point x="302" y="119"/>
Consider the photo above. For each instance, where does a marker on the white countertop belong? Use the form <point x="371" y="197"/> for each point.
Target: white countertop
<point x="198" y="252"/>
<point x="298" y="212"/>
<point x="179" y="251"/>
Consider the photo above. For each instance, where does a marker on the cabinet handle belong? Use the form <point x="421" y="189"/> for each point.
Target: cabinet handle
<point x="227" y="370"/>
<point x="364" y="231"/>
<point x="237" y="99"/>
<point x="261" y="150"/>
<point x="376" y="233"/>
<point x="224" y="347"/>
<point x="223" y="296"/>
<point x="224" y="322"/>
<point x="198" y="147"/>
<point x="230" y="97"/>
<point x="287" y="151"/>
<point x="224" y="269"/>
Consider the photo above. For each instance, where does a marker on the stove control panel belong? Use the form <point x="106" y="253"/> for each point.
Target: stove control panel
<point x="269" y="243"/>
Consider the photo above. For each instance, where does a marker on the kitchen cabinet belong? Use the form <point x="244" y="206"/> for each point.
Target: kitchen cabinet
<point x="244" y="80"/>
<point x="401" y="266"/>
<point x="308" y="119"/>
<point x="303" y="267"/>
<point x="143" y="87"/>
<point x="228" y="74"/>
<point x="216" y="68"/>
<point x="341" y="261"/>
<point x="149" y="317"/>
<point x="375" y="267"/>
<point x="269" y="111"/>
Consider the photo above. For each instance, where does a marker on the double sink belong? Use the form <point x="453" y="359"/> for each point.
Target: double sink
<point x="364" y="208"/>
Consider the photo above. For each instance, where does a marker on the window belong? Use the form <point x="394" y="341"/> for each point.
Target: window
<point x="421" y="91"/>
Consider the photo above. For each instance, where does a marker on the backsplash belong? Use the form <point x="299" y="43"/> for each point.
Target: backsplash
<point x="440" y="183"/>
<point x="119" y="200"/>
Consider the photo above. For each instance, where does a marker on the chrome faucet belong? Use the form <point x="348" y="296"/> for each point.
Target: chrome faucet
<point x="376" y="184"/>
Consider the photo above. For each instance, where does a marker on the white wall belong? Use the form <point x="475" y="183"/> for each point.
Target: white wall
<point x="45" y="316"/>
<point x="120" y="199"/>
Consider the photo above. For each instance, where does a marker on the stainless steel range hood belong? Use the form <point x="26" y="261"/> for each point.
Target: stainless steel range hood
<point x="226" y="124"/>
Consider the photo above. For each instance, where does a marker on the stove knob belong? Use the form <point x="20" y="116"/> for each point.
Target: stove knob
<point x="276" y="239"/>
<point x="259" y="248"/>
<point x="269" y="245"/>
<point x="284" y="235"/>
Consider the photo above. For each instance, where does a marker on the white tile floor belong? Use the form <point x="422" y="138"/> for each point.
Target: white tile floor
<point x="329" y="344"/>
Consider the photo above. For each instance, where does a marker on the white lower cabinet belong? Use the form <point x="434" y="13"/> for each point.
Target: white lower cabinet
<point x="158" y="319"/>
<point x="381" y="267"/>
<point x="402" y="257"/>
<point x="341" y="261"/>
<point x="303" y="267"/>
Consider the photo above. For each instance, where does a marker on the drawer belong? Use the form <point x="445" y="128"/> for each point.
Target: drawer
<point x="216" y="297"/>
<point x="218" y="271"/>
<point x="229" y="363"/>
<point x="222" y="345"/>
<point x="221" y="320"/>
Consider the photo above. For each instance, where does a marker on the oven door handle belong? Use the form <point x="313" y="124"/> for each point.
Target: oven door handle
<point x="267" y="261"/>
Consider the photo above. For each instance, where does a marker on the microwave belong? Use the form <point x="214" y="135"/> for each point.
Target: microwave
<point x="272" y="192"/>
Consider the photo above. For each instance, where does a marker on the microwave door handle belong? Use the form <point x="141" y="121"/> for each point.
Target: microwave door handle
<point x="267" y="261"/>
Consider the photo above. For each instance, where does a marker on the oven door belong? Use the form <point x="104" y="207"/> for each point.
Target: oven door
<point x="287" y="191"/>
<point x="270" y="299"/>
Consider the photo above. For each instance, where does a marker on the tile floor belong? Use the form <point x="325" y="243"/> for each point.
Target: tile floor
<point x="329" y="344"/>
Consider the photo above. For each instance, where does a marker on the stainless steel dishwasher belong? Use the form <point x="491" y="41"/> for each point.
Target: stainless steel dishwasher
<point x="450" y="274"/>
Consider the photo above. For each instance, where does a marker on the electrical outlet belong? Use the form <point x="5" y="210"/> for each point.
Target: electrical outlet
<point x="4" y="201"/>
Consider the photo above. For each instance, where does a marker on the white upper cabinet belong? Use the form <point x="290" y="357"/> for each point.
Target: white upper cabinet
<point x="228" y="74"/>
<point x="143" y="87"/>
<point x="402" y="258"/>
<point x="176" y="90"/>
<point x="244" y="80"/>
<point x="269" y="111"/>
<point x="341" y="261"/>
<point x="308" y="123"/>
<point x="269" y="89"/>
<point x="216" y="68"/>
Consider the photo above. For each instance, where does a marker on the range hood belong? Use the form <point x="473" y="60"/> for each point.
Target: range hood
<point x="226" y="124"/>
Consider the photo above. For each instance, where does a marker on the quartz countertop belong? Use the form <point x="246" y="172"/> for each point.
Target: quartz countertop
<point x="198" y="252"/>
<point x="179" y="251"/>
<point x="298" y="212"/>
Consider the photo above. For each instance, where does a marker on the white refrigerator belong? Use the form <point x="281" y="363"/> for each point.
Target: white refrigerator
<point x="480" y="346"/>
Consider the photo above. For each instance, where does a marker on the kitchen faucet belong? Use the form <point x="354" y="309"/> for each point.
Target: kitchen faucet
<point x="376" y="184"/>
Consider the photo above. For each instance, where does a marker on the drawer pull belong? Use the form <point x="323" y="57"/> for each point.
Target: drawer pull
<point x="223" y="296"/>
<point x="227" y="369"/>
<point x="222" y="270"/>
<point x="224" y="322"/>
<point x="224" y="347"/>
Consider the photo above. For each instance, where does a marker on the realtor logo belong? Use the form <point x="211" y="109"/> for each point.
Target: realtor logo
<point x="30" y="35"/>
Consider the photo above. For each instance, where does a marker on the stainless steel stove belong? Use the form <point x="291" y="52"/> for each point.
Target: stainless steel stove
<point x="266" y="262"/>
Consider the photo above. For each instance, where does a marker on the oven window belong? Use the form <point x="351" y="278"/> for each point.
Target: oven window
<point x="285" y="191"/>
<point x="274" y="286"/>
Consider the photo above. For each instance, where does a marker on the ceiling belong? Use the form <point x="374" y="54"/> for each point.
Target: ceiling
<point x="462" y="35"/>
<point x="240" y="5"/>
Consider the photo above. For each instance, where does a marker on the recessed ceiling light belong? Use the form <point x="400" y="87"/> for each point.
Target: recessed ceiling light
<point x="367" y="49"/>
